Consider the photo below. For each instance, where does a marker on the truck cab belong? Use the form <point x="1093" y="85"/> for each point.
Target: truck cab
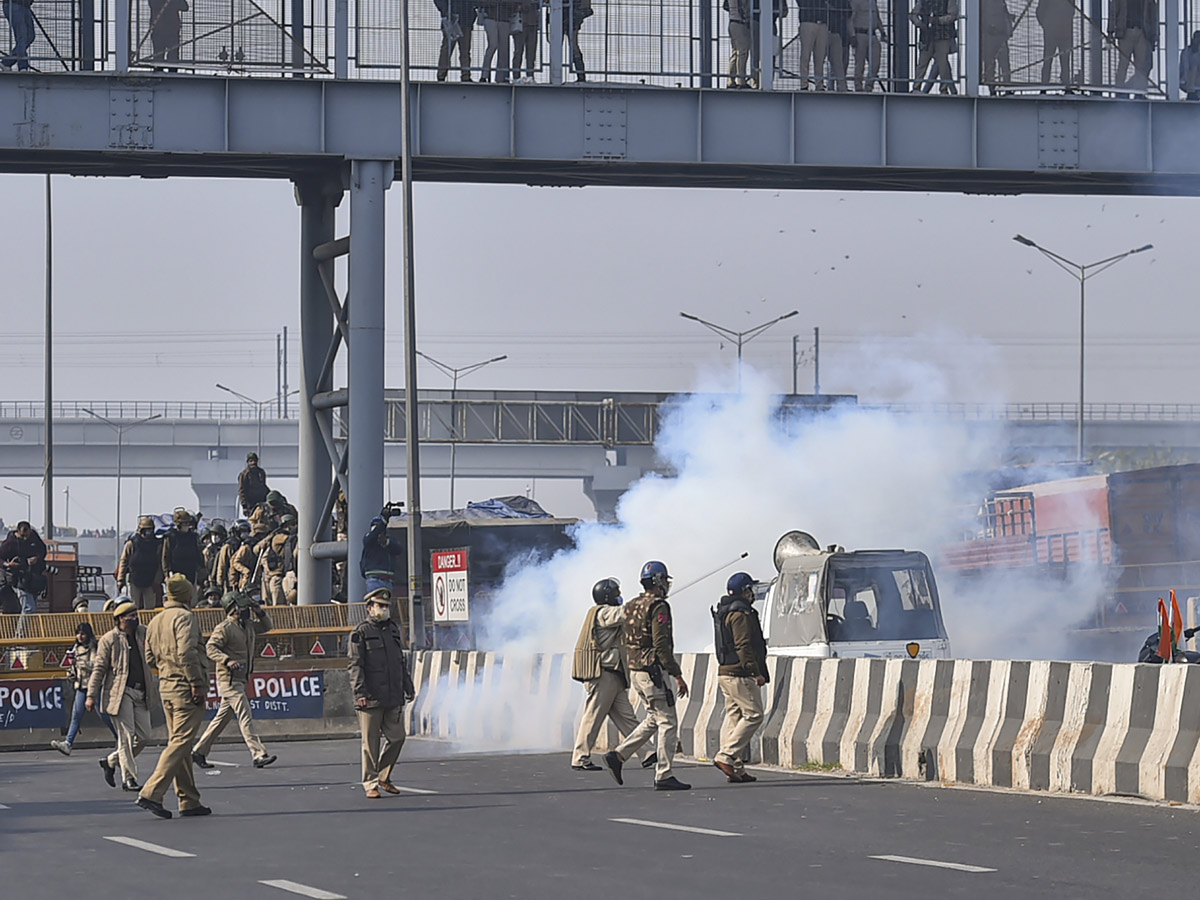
<point x="862" y="603"/>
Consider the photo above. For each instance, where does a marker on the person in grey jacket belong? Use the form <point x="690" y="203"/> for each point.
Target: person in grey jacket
<point x="381" y="683"/>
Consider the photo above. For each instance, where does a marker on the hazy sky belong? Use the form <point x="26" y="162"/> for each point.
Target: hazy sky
<point x="164" y="287"/>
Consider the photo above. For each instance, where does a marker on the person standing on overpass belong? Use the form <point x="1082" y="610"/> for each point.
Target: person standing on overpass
<point x="742" y="658"/>
<point x="252" y="485"/>
<point x="381" y="683"/>
<point x="651" y="647"/>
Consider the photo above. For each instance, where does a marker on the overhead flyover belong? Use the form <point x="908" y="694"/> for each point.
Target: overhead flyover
<point x="158" y="125"/>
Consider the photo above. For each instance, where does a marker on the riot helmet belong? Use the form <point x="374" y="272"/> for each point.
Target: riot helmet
<point x="738" y="584"/>
<point x="654" y="576"/>
<point x="607" y="592"/>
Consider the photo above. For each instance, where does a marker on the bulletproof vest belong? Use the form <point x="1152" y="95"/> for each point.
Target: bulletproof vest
<point x="727" y="654"/>
<point x="639" y="630"/>
<point x="144" y="561"/>
<point x="185" y="553"/>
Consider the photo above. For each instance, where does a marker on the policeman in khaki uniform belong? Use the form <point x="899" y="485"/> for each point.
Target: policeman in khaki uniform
<point x="742" y="658"/>
<point x="381" y="683"/>
<point x="651" y="648"/>
<point x="173" y="646"/>
<point x="600" y="664"/>
<point x="121" y="674"/>
<point x="231" y="649"/>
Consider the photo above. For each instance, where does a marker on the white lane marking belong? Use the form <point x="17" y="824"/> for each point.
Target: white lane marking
<point x="688" y="828"/>
<point x="303" y="889"/>
<point x="937" y="864"/>
<point x="146" y="845"/>
<point x="217" y="762"/>
<point x="2" y="806"/>
<point x="409" y="790"/>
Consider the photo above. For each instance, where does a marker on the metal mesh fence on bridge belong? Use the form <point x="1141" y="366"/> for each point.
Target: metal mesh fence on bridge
<point x="1024" y="45"/>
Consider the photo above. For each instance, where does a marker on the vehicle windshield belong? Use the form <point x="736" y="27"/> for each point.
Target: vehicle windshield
<point x="878" y="600"/>
<point x="797" y="618"/>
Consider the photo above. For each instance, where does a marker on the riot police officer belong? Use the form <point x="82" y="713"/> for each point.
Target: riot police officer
<point x="742" y="660"/>
<point x="650" y="644"/>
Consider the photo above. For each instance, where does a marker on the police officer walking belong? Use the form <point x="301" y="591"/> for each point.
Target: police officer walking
<point x="121" y="675"/>
<point x="381" y="683"/>
<point x="600" y="664"/>
<point x="231" y="649"/>
<point x="742" y="660"/>
<point x="650" y="644"/>
<point x="173" y="647"/>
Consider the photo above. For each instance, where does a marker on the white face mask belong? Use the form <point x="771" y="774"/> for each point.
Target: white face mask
<point x="379" y="613"/>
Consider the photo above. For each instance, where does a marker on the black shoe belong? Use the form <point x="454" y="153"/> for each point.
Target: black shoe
<point x="110" y="773"/>
<point x="671" y="784"/>
<point x="130" y="784"/>
<point x="198" y="759"/>
<point x="588" y="766"/>
<point x="264" y="761"/>
<point x="152" y="806"/>
<point x="613" y="763"/>
<point x="650" y="761"/>
<point x="195" y="811"/>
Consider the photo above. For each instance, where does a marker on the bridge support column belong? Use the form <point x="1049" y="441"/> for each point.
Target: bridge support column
<point x="606" y="486"/>
<point x="369" y="180"/>
<point x="317" y="199"/>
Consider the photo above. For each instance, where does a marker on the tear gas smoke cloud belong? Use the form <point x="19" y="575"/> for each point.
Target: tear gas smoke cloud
<point x="863" y="478"/>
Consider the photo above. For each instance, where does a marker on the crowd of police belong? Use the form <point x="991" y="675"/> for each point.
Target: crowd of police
<point x="631" y="645"/>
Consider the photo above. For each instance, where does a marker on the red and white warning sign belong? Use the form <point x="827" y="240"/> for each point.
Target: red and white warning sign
<point x="268" y="651"/>
<point x="51" y="659"/>
<point x="17" y="662"/>
<point x="68" y="660"/>
<point x="450" y="594"/>
<point x="317" y="649"/>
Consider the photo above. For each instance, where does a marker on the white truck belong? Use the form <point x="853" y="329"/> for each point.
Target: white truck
<point x="862" y="603"/>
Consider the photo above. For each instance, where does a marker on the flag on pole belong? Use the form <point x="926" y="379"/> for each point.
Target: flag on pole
<point x="1164" y="633"/>
<point x="1176" y="622"/>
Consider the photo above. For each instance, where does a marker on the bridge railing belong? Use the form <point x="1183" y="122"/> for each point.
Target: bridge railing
<point x="1004" y="46"/>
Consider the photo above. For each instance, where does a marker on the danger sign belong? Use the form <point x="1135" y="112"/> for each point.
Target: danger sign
<point x="450" y="594"/>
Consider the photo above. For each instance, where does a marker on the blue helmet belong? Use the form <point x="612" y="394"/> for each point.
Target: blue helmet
<point x="738" y="583"/>
<point x="654" y="575"/>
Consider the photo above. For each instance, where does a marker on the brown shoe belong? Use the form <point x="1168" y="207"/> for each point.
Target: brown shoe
<point x="389" y="787"/>
<point x="729" y="770"/>
<point x="373" y="794"/>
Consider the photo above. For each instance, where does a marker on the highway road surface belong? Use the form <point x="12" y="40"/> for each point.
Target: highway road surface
<point x="527" y="826"/>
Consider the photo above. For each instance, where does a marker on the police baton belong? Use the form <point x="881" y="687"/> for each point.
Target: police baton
<point x="677" y="591"/>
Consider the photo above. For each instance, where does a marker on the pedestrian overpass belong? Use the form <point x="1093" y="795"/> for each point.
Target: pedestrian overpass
<point x="306" y="90"/>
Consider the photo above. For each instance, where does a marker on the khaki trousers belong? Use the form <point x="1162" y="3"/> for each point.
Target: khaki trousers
<point x="739" y="52"/>
<point x="380" y="725"/>
<point x="660" y="719"/>
<point x="743" y="715"/>
<point x="234" y="704"/>
<point x="133" y="730"/>
<point x="273" y="593"/>
<point x="184" y="719"/>
<point x="606" y="696"/>
<point x="143" y="597"/>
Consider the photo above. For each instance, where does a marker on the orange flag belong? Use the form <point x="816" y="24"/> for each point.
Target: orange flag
<point x="1164" y="633"/>
<point x="1176" y="621"/>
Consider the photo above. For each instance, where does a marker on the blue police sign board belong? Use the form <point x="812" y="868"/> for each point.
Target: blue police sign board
<point x="32" y="704"/>
<point x="279" y="695"/>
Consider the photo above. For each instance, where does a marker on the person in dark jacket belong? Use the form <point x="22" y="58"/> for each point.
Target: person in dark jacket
<point x="381" y="684"/>
<point x="181" y="551"/>
<point x="23" y="557"/>
<point x="139" y="571"/>
<point x="375" y="564"/>
<point x="252" y="484"/>
<point x="742" y="661"/>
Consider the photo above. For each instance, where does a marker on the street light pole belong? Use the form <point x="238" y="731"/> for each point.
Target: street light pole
<point x="454" y="373"/>
<point x="28" y="504"/>
<point x="258" y="406"/>
<point x="1082" y="272"/>
<point x="740" y="337"/>
<point x="120" y="430"/>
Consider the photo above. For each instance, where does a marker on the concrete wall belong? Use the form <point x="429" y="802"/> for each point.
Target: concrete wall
<point x="1093" y="728"/>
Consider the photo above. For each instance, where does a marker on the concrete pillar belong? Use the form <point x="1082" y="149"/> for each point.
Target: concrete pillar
<point x="606" y="486"/>
<point x="556" y="41"/>
<point x="1172" y="24"/>
<point x="766" y="47"/>
<point x="369" y="179"/>
<point x="317" y="199"/>
<point x="214" y="482"/>
<point x="969" y="29"/>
